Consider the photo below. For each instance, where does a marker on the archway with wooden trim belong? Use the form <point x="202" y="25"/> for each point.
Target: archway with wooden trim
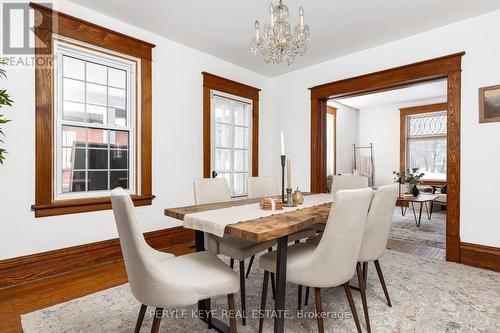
<point x="449" y="67"/>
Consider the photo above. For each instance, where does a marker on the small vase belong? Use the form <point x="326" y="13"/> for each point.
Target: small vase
<point x="415" y="191"/>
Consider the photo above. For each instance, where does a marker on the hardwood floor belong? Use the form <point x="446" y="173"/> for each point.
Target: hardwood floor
<point x="39" y="294"/>
<point x="416" y="249"/>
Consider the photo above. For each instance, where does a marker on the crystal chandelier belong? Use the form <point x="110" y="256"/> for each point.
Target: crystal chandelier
<point x="279" y="43"/>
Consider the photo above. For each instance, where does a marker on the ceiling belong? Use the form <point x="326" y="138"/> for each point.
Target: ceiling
<point x="432" y="90"/>
<point x="224" y="28"/>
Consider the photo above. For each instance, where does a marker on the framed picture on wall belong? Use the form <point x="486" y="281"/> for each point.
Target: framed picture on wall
<point x="489" y="104"/>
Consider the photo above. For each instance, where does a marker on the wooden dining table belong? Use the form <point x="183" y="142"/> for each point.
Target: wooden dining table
<point x="278" y="226"/>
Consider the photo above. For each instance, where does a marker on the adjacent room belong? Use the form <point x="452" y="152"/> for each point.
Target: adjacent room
<point x="249" y="166"/>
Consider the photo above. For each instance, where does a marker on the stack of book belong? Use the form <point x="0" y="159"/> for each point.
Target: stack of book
<point x="271" y="203"/>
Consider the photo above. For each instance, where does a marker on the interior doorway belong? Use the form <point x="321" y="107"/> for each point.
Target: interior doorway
<point x="449" y="68"/>
<point x="384" y="132"/>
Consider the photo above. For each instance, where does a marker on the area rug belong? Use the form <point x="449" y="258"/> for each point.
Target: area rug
<point x="430" y="233"/>
<point x="427" y="296"/>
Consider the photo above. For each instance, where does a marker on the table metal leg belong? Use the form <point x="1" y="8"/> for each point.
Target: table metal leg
<point x="204" y="305"/>
<point x="417" y="221"/>
<point x="429" y="213"/>
<point x="279" y="305"/>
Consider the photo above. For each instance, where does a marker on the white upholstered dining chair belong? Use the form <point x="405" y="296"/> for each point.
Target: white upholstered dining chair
<point x="332" y="263"/>
<point x="375" y="238"/>
<point x="160" y="279"/>
<point x="212" y="190"/>
<point x="340" y="183"/>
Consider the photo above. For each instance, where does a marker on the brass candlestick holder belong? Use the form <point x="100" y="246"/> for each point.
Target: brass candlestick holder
<point x="289" y="200"/>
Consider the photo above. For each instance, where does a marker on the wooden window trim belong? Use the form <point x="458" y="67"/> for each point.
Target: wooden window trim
<point x="404" y="112"/>
<point x="47" y="23"/>
<point x="449" y="67"/>
<point x="214" y="82"/>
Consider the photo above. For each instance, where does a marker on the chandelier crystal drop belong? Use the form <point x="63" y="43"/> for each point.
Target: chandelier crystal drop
<point x="278" y="42"/>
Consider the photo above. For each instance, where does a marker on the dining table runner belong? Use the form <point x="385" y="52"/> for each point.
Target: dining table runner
<point x="215" y="221"/>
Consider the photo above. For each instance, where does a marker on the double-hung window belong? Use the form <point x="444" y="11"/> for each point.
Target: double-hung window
<point x="96" y="122"/>
<point x="426" y="144"/>
<point x="231" y="141"/>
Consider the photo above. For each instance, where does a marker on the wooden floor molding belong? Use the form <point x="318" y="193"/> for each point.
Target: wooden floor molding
<point x="417" y="249"/>
<point x="33" y="267"/>
<point x="487" y="257"/>
<point x="44" y="292"/>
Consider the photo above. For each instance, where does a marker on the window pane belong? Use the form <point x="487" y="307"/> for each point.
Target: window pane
<point x="98" y="180"/>
<point x="96" y="114"/>
<point x="97" y="73"/>
<point x="98" y="158"/>
<point x="118" y="179"/>
<point x="241" y="137"/>
<point x="222" y="110"/>
<point x="73" y="68"/>
<point x="118" y="139"/>
<point x="241" y="113"/>
<point x="240" y="160"/>
<point x="98" y="138"/>
<point x="240" y="184"/>
<point x="74" y="136"/>
<point x="96" y="94"/>
<point x="116" y="98"/>
<point x="117" y="116"/>
<point x="73" y="90"/>
<point x="223" y="135"/>
<point x="117" y="78"/>
<point x="73" y="111"/>
<point x="73" y="158"/>
<point x="118" y="159"/>
<point x="73" y="181"/>
<point x="428" y="124"/>
<point x="429" y="156"/>
<point x="222" y="159"/>
<point x="225" y="175"/>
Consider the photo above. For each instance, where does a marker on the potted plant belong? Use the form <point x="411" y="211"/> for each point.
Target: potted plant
<point x="410" y="178"/>
<point x="4" y="100"/>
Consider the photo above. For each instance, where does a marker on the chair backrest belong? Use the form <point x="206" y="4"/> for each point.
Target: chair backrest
<point x="334" y="259"/>
<point x="378" y="223"/>
<point x="262" y="187"/>
<point x="149" y="285"/>
<point x="210" y="190"/>
<point x="340" y="183"/>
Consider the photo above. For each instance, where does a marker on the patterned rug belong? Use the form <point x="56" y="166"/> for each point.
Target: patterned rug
<point x="427" y="296"/>
<point x="430" y="233"/>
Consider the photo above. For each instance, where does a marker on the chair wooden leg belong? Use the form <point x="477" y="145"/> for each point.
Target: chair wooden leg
<point x="382" y="281"/>
<point x="263" y="300"/>
<point x="306" y="297"/>
<point x="209" y="313"/>
<point x="250" y="265"/>
<point x="299" y="301"/>
<point x="362" y="290"/>
<point x="243" y="293"/>
<point x="232" y="313"/>
<point x="348" y="293"/>
<point x="140" y="318"/>
<point x="319" y="310"/>
<point x="155" y="328"/>
<point x="231" y="263"/>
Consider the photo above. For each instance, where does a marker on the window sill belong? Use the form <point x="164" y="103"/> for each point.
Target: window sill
<point x="74" y="206"/>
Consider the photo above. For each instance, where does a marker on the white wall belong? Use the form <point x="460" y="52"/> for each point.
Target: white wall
<point x="347" y="136"/>
<point x="177" y="145"/>
<point x="479" y="142"/>
<point x="380" y="125"/>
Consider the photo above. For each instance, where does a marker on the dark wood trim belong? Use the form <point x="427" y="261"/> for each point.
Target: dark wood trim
<point x="41" y="265"/>
<point x="214" y="82"/>
<point x="403" y="113"/>
<point x="487" y="257"/>
<point x="444" y="67"/>
<point x="49" y="22"/>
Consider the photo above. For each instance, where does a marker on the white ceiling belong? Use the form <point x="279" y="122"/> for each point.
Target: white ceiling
<point x="432" y="90"/>
<point x="224" y="28"/>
